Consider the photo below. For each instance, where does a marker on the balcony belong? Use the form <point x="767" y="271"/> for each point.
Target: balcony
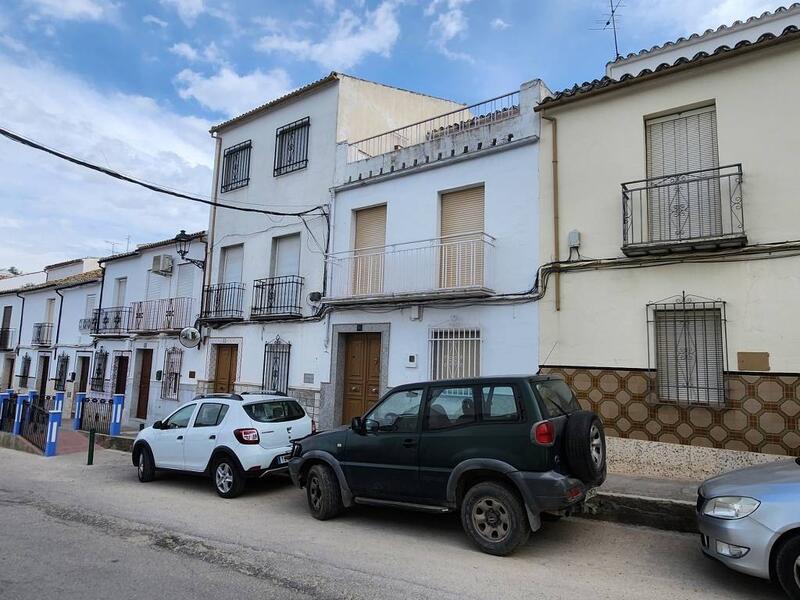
<point x="449" y="267"/>
<point x="276" y="297"/>
<point x="168" y="314"/>
<point x="113" y="321"/>
<point x="85" y="325"/>
<point x="223" y="302"/>
<point x="42" y="334"/>
<point x="692" y="211"/>
<point x="7" y="339"/>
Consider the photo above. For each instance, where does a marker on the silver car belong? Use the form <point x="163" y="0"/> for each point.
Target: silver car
<point x="750" y="521"/>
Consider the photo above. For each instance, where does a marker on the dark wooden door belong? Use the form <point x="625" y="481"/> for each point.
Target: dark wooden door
<point x="145" y="367"/>
<point x="83" y="374"/>
<point x="121" y="380"/>
<point x="44" y="371"/>
<point x="362" y="374"/>
<point x="225" y="372"/>
<point x="9" y="373"/>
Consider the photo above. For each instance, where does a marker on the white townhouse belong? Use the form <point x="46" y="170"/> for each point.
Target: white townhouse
<point x="669" y="196"/>
<point x="434" y="252"/>
<point x="262" y="316"/>
<point x="146" y="297"/>
<point x="50" y="350"/>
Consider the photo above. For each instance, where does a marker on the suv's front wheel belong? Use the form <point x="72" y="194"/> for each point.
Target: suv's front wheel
<point x="323" y="493"/>
<point x="494" y="517"/>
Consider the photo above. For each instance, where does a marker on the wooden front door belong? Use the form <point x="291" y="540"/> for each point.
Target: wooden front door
<point x="362" y="373"/>
<point x="44" y="371"/>
<point x="145" y="368"/>
<point x="225" y="372"/>
<point x="121" y="380"/>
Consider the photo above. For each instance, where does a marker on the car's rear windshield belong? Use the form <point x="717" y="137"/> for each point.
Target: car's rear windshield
<point x="275" y="411"/>
<point x="556" y="397"/>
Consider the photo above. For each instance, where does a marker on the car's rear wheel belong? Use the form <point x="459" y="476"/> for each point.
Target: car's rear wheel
<point x="145" y="468"/>
<point x="323" y="493"/>
<point x="787" y="567"/>
<point x="585" y="446"/>
<point x="494" y="518"/>
<point x="229" y="481"/>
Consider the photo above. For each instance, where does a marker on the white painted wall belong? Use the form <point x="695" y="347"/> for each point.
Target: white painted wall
<point x="601" y="144"/>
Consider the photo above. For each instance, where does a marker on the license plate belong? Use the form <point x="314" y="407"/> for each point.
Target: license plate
<point x="283" y="459"/>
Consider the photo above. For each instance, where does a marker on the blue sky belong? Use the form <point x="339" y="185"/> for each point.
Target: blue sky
<point x="135" y="86"/>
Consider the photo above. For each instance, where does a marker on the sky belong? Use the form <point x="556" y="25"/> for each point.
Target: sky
<point x="135" y="86"/>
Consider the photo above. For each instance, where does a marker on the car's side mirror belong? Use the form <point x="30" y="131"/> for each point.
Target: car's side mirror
<point x="158" y="425"/>
<point x="370" y="426"/>
<point x="357" y="425"/>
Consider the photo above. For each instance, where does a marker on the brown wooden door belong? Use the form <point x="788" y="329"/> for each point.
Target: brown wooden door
<point x="83" y="373"/>
<point x="44" y="371"/>
<point x="121" y="381"/>
<point x="362" y="374"/>
<point x="145" y="368"/>
<point x="225" y="372"/>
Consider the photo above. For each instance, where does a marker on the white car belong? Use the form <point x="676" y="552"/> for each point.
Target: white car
<point x="229" y="437"/>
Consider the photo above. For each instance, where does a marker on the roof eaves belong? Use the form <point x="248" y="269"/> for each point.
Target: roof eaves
<point x="148" y="246"/>
<point x="592" y="88"/>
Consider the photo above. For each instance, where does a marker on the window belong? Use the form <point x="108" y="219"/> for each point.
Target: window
<point x="690" y="206"/>
<point x="370" y="237"/>
<point x="451" y="407"/>
<point x="62" y="365"/>
<point x="120" y="289"/>
<point x="24" y="371"/>
<point x="399" y="412"/>
<point x="291" y="147"/>
<point x="231" y="264"/>
<point x="91" y="302"/>
<point x="180" y="418"/>
<point x="455" y="353"/>
<point x="499" y="403"/>
<point x="49" y="310"/>
<point x="99" y="371"/>
<point x="171" y="378"/>
<point x="276" y="366"/>
<point x="185" y="287"/>
<point x="556" y="397"/>
<point x="275" y="411"/>
<point x="689" y="350"/>
<point x="461" y="259"/>
<point x="236" y="167"/>
<point x="210" y="414"/>
<point x="286" y="255"/>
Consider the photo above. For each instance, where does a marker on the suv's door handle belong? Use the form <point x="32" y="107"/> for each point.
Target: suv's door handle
<point x="212" y="437"/>
<point x="409" y="443"/>
<point x="180" y="437"/>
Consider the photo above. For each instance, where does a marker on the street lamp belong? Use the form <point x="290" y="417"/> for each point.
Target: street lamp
<point x="182" y="242"/>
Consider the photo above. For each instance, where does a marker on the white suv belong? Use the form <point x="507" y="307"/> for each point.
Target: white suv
<point x="229" y="437"/>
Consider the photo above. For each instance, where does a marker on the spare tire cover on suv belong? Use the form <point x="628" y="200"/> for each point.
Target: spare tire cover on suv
<point x="585" y="447"/>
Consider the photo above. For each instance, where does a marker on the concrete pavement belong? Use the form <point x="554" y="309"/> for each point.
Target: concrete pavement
<point x="175" y="537"/>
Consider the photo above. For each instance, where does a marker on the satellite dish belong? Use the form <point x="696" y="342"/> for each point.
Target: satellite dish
<point x="189" y="337"/>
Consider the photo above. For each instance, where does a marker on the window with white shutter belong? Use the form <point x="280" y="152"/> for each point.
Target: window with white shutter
<point x="232" y="262"/>
<point x="461" y="253"/>
<point x="682" y="203"/>
<point x="185" y="286"/>
<point x="286" y="255"/>
<point x="154" y="282"/>
<point x="369" y="250"/>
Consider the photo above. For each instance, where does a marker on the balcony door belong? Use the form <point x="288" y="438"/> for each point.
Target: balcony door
<point x="286" y="256"/>
<point x="683" y="203"/>
<point x="232" y="262"/>
<point x="461" y="257"/>
<point x="369" y="251"/>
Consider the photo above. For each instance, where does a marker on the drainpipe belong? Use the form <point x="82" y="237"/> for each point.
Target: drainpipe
<point x="21" y="319"/>
<point x="556" y="255"/>
<point x="58" y="324"/>
<point x="100" y="299"/>
<point x="213" y="220"/>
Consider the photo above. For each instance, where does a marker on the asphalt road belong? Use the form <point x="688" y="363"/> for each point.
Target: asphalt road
<point x="71" y="531"/>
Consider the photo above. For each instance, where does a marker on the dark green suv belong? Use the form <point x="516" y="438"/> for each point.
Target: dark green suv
<point x="504" y="451"/>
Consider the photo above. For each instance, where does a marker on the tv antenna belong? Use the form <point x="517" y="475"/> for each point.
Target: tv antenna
<point x="611" y="23"/>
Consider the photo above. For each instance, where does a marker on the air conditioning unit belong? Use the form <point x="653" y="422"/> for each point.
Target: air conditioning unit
<point x="162" y="264"/>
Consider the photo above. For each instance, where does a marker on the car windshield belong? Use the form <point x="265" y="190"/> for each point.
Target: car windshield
<point x="556" y="396"/>
<point x="275" y="411"/>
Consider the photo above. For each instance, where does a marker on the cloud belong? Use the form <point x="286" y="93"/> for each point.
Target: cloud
<point x="184" y="50"/>
<point x="347" y="42"/>
<point x="498" y="24"/>
<point x="229" y="93"/>
<point x="451" y="23"/>
<point x="12" y="43"/>
<point x="68" y="211"/>
<point x="153" y="20"/>
<point x="210" y="54"/>
<point x="188" y="10"/>
<point x="329" y="6"/>
<point x="74" y="10"/>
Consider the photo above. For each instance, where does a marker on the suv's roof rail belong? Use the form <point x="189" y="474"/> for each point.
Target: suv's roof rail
<point x="218" y="395"/>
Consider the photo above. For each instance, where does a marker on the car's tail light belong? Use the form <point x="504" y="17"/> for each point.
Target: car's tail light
<point x="247" y="436"/>
<point x="543" y="433"/>
<point x="313" y="426"/>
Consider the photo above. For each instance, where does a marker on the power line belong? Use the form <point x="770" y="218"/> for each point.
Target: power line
<point x="150" y="186"/>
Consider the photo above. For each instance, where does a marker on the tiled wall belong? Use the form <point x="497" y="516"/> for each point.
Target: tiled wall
<point x="762" y="412"/>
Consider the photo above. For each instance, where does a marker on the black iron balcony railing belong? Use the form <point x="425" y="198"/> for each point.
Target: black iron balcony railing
<point x="277" y="297"/>
<point x="85" y="325"/>
<point x="7" y="338"/>
<point x="168" y="314"/>
<point x="701" y="209"/>
<point x="111" y="321"/>
<point x="42" y="334"/>
<point x="223" y="301"/>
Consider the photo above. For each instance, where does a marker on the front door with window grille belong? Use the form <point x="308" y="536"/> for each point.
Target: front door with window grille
<point x="461" y="250"/>
<point x="62" y="365"/>
<point x="689" y="355"/>
<point x="276" y="366"/>
<point x="681" y="206"/>
<point x="455" y="353"/>
<point x="369" y="251"/>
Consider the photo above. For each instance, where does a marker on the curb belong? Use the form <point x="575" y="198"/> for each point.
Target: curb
<point x="19" y="443"/>
<point x="112" y="442"/>
<point x="660" y="513"/>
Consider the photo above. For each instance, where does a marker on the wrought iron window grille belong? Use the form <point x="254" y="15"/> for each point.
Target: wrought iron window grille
<point x="276" y="365"/>
<point x="62" y="367"/>
<point x="454" y="353"/>
<point x="24" y="370"/>
<point x="236" y="167"/>
<point x="291" y="147"/>
<point x="97" y="383"/>
<point x="687" y="348"/>
<point x="170" y="382"/>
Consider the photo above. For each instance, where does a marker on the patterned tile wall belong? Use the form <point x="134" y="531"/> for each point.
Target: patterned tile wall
<point x="762" y="412"/>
